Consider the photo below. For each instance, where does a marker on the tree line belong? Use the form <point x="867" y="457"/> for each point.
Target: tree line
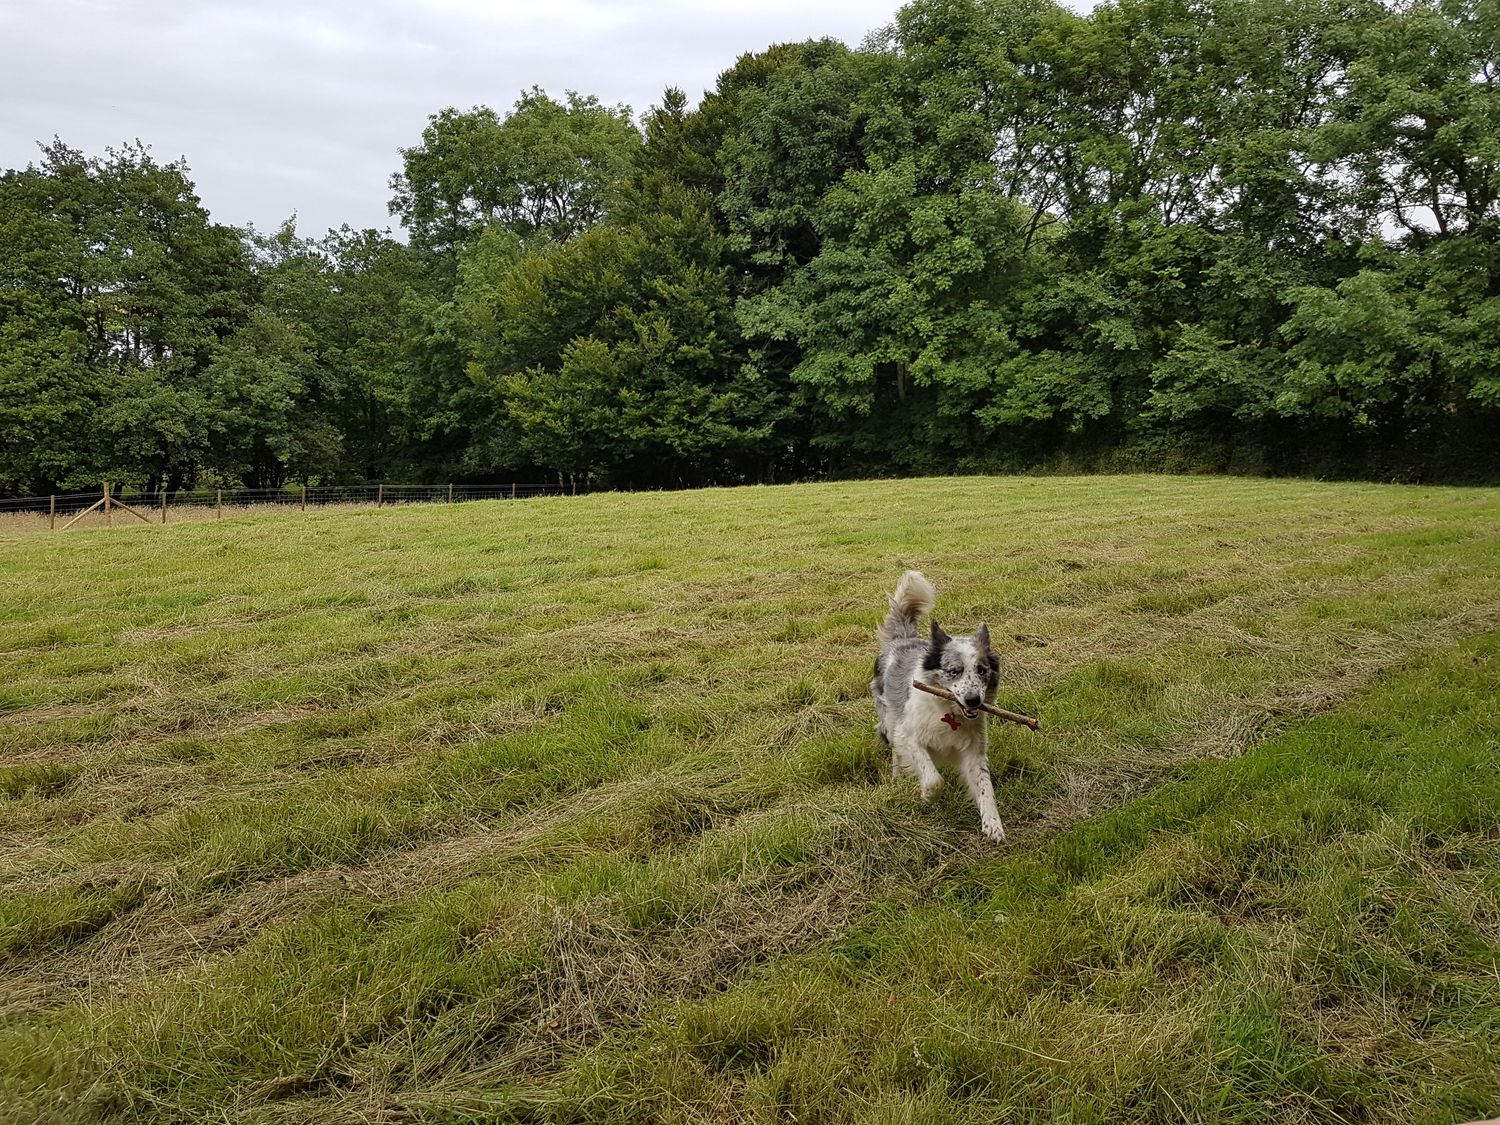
<point x="1242" y="235"/>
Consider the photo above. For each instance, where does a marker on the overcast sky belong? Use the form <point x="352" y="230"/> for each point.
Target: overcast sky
<point x="283" y="106"/>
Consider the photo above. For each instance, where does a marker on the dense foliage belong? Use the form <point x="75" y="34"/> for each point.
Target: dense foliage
<point x="1256" y="235"/>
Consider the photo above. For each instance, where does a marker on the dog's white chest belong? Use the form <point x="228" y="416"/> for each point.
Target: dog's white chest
<point x="940" y="731"/>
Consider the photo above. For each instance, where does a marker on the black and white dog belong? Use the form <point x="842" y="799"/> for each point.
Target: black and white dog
<point x="919" y="727"/>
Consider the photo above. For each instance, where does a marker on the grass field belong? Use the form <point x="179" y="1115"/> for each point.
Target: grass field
<point x="571" y="810"/>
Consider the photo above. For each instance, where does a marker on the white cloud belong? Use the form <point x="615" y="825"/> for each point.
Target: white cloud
<point x="282" y="105"/>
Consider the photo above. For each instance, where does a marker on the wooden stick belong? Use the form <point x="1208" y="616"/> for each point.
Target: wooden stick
<point x="80" y="515"/>
<point x="943" y="693"/>
<point x="116" y="502"/>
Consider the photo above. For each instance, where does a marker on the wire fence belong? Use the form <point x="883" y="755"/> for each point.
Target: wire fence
<point x="108" y="504"/>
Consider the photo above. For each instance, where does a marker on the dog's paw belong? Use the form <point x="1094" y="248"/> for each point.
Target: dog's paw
<point x="993" y="831"/>
<point x="931" y="787"/>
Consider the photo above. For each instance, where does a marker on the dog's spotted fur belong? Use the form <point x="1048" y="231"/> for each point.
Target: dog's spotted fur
<point x="920" y="728"/>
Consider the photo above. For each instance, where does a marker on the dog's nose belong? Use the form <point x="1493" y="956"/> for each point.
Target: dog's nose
<point x="972" y="702"/>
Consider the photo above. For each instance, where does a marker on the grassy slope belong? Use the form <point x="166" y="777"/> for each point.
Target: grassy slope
<point x="571" y="808"/>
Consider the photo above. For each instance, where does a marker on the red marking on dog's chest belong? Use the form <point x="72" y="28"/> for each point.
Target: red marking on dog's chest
<point x="951" y="721"/>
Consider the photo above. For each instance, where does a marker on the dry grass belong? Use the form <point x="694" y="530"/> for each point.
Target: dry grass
<point x="198" y="511"/>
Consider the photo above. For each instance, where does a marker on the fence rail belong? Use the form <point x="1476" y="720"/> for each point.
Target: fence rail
<point x="153" y="507"/>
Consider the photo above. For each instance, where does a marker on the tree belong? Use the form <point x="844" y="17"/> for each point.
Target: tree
<point x="547" y="169"/>
<point x="793" y="138"/>
<point x="613" y="357"/>
<point x="117" y="291"/>
<point x="1421" y="120"/>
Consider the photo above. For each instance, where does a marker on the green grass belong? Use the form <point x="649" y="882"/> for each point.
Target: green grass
<point x="571" y="810"/>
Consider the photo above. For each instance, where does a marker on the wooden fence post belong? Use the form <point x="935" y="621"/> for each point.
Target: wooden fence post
<point x="109" y="515"/>
<point x="219" y="505"/>
<point x="304" y="497"/>
<point x="512" y="490"/>
<point x="163" y="505"/>
<point x="52" y="513"/>
<point x="379" y="495"/>
<point x="450" y="492"/>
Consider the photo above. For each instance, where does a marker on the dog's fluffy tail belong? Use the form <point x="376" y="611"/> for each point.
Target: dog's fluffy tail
<point x="914" y="596"/>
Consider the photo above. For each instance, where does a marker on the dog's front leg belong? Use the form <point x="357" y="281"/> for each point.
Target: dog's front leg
<point x="976" y="771"/>
<point x="900" y="765"/>
<point x="916" y="758"/>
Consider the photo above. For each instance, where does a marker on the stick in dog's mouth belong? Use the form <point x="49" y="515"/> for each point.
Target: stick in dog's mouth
<point x="998" y="712"/>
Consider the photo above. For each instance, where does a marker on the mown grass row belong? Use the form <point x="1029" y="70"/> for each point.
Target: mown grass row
<point x="384" y="811"/>
<point x="1307" y="933"/>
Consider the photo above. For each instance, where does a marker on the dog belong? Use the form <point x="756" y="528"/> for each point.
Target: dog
<point x="919" y="727"/>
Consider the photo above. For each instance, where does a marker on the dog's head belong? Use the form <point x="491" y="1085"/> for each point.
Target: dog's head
<point x="966" y="666"/>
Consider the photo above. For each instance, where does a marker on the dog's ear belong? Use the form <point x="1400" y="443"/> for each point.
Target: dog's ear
<point x="939" y="638"/>
<point x="988" y="659"/>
